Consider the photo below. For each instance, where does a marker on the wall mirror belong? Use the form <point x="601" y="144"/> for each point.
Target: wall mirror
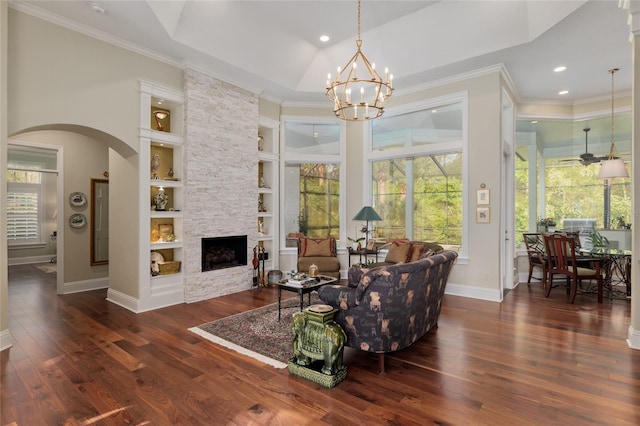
<point x="99" y="221"/>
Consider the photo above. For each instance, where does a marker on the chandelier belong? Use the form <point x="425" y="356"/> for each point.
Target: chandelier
<point x="359" y="97"/>
<point x="613" y="166"/>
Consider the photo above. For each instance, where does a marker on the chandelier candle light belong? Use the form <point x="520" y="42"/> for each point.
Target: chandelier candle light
<point x="614" y="166"/>
<point x="357" y="98"/>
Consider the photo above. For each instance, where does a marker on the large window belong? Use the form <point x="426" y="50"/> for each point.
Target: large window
<point x="318" y="198"/>
<point x="24" y="207"/>
<point x="554" y="181"/>
<point x="428" y="187"/>
<point x="416" y="164"/>
<point x="312" y="178"/>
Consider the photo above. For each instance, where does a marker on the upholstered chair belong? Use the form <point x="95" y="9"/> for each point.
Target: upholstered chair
<point x="321" y="252"/>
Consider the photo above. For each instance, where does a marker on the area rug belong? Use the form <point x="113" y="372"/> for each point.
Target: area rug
<point x="257" y="333"/>
<point x="47" y="268"/>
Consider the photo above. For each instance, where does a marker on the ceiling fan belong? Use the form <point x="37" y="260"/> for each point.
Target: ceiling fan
<point x="587" y="158"/>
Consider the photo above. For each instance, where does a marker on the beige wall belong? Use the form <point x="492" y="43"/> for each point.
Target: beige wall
<point x="481" y="271"/>
<point x="83" y="158"/>
<point x="269" y="109"/>
<point x="58" y="76"/>
<point x="62" y="80"/>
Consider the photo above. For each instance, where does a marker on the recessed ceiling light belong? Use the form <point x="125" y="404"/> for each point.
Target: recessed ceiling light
<point x="324" y="38"/>
<point x="534" y="121"/>
<point x="98" y="8"/>
<point x="434" y="111"/>
<point x="559" y="69"/>
<point x="563" y="92"/>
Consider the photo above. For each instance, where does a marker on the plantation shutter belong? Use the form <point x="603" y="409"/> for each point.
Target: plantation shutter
<point x="22" y="213"/>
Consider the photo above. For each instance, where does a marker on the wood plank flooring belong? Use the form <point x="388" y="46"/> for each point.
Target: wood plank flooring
<point x="79" y="360"/>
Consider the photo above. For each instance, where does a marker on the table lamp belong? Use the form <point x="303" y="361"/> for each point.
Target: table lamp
<point x="367" y="213"/>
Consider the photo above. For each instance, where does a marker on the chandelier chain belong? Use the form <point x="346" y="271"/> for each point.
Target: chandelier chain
<point x="359" y="39"/>
<point x="358" y="91"/>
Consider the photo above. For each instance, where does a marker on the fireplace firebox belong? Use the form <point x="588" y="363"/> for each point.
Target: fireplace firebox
<point x="224" y="252"/>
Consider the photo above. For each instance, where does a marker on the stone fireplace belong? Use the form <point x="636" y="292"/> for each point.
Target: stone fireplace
<point x="224" y="252"/>
<point x="220" y="185"/>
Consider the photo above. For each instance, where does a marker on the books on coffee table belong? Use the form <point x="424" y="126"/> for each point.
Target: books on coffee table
<point x="301" y="280"/>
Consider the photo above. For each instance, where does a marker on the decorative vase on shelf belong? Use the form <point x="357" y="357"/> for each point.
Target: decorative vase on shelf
<point x="160" y="200"/>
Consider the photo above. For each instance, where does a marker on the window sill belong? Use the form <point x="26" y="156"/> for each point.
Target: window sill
<point x="26" y="246"/>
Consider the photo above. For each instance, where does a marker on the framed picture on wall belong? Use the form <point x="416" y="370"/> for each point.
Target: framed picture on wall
<point x="483" y="215"/>
<point x="482" y="197"/>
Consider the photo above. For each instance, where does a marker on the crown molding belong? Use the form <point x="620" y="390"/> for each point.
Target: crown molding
<point x="39" y="13"/>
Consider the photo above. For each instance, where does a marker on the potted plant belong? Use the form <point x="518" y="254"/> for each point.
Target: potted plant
<point x="547" y="224"/>
<point x="356" y="243"/>
<point x="596" y="239"/>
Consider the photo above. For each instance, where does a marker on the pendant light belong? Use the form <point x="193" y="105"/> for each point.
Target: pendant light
<point x="614" y="166"/>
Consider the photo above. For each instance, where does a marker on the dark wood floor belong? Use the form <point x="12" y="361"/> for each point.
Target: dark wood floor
<point x="78" y="359"/>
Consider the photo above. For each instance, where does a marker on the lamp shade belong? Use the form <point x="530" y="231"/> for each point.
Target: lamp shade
<point x="367" y="213"/>
<point x="613" y="169"/>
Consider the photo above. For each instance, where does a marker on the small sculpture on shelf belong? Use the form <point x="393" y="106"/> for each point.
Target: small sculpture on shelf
<point x="260" y="143"/>
<point x="262" y="183"/>
<point x="155" y="166"/>
<point x="260" y="227"/>
<point x="261" y="207"/>
<point x="160" y="200"/>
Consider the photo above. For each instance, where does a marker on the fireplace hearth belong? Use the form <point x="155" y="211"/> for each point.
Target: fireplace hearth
<point x="224" y="252"/>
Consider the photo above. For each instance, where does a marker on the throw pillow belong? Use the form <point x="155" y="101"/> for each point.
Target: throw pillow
<point x="398" y="252"/>
<point x="322" y="247"/>
<point x="416" y="251"/>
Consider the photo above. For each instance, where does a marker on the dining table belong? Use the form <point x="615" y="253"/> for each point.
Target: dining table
<point x="616" y="264"/>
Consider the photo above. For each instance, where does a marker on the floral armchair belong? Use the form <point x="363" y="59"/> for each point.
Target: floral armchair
<point x="388" y="308"/>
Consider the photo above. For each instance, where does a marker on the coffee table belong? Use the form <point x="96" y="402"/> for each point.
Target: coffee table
<point x="302" y="290"/>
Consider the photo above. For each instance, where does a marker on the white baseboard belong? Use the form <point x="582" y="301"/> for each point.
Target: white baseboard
<point x="123" y="300"/>
<point x="481" y="293"/>
<point x="85" y="285"/>
<point x="634" y="338"/>
<point x="30" y="259"/>
<point x="137" y="306"/>
<point x="5" y="340"/>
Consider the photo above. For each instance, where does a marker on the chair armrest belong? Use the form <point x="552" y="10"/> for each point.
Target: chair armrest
<point x="354" y="274"/>
<point x="338" y="296"/>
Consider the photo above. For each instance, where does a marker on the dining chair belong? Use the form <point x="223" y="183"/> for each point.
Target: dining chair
<point x="535" y="251"/>
<point x="561" y="252"/>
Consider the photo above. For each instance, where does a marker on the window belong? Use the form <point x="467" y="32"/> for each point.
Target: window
<point x="23" y="207"/>
<point x="416" y="164"/>
<point x="553" y="182"/>
<point x="318" y="198"/>
<point x="312" y="178"/>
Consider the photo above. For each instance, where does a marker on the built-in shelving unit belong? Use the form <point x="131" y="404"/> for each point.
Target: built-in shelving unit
<point x="162" y="196"/>
<point x="267" y="180"/>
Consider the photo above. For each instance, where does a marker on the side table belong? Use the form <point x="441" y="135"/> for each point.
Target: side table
<point x="364" y="252"/>
<point x="318" y="345"/>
